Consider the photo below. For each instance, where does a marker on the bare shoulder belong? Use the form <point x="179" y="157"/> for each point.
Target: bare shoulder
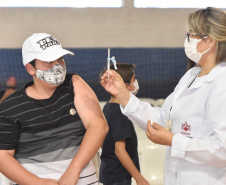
<point x="76" y="78"/>
<point x="78" y="81"/>
<point x="80" y="86"/>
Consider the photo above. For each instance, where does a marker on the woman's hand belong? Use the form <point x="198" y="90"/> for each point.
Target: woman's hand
<point x="115" y="86"/>
<point x="112" y="83"/>
<point x="158" y="134"/>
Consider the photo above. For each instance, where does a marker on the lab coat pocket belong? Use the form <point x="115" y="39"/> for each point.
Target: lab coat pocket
<point x="192" y="178"/>
<point x="191" y="127"/>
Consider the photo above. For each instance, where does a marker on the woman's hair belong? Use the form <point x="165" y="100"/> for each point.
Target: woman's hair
<point x="211" y="21"/>
<point x="125" y="70"/>
<point x="190" y="64"/>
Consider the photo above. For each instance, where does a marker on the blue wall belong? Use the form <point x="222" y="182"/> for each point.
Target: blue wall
<point x="158" y="69"/>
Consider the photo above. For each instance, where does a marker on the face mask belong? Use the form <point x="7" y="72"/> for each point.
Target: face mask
<point x="54" y="75"/>
<point x="190" y="48"/>
<point x="136" y="85"/>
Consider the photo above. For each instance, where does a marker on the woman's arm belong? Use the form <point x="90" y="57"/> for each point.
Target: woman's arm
<point x="209" y="150"/>
<point x="137" y="111"/>
<point x="140" y="112"/>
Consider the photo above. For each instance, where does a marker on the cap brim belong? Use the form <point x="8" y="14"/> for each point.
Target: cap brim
<point x="54" y="55"/>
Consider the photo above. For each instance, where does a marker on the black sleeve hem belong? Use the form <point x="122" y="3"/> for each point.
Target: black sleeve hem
<point x="7" y="147"/>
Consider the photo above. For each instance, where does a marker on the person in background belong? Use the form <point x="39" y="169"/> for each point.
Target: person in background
<point x="10" y="88"/>
<point x="53" y="126"/>
<point x="196" y="147"/>
<point x="119" y="158"/>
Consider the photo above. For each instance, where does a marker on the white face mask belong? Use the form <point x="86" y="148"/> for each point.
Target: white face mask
<point x="190" y="48"/>
<point x="136" y="86"/>
<point x="54" y="75"/>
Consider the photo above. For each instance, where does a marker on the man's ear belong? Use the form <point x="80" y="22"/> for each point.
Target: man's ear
<point x="30" y="69"/>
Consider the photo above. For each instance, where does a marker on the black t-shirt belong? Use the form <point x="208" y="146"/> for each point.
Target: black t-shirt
<point x="46" y="134"/>
<point x="35" y="127"/>
<point x="120" y="128"/>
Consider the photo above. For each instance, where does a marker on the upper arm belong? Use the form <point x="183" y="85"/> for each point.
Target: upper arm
<point x="7" y="152"/>
<point x="86" y="103"/>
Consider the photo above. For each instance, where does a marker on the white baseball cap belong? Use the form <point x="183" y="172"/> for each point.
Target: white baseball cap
<point x="42" y="46"/>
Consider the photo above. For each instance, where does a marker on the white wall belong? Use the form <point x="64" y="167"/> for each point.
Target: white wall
<point x="96" y="27"/>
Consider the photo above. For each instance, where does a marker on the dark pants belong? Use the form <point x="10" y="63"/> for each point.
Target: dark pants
<point x="124" y="182"/>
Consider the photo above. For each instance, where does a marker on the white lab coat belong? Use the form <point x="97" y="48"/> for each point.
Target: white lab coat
<point x="198" y="113"/>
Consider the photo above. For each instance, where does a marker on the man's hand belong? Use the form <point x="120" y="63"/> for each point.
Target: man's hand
<point x="48" y="182"/>
<point x="69" y="178"/>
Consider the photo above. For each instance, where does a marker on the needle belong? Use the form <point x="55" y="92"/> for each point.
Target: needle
<point x="108" y="61"/>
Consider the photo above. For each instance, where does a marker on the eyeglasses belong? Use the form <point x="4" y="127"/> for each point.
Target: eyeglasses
<point x="61" y="60"/>
<point x="195" y="34"/>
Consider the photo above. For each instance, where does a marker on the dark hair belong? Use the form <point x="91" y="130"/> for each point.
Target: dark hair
<point x="125" y="70"/>
<point x="33" y="62"/>
<point x="191" y="64"/>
